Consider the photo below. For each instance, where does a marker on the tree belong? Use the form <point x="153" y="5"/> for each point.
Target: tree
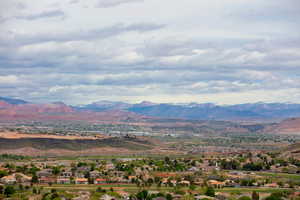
<point x="255" y="195"/>
<point x="56" y="170"/>
<point x="3" y="173"/>
<point x="1" y="189"/>
<point x="143" y="195"/>
<point x="169" y="197"/>
<point x="210" y="191"/>
<point x="34" y="190"/>
<point x="9" y="190"/>
<point x="34" y="179"/>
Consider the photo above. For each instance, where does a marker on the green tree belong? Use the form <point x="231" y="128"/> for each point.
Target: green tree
<point x="3" y="173"/>
<point x="210" y="191"/>
<point x="143" y="195"/>
<point x="255" y="195"/>
<point x="169" y="197"/>
<point x="9" y="190"/>
<point x="56" y="170"/>
<point x="1" y="189"/>
<point x="34" y="179"/>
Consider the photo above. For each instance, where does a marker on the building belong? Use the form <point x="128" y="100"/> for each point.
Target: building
<point x="44" y="173"/>
<point x="94" y="174"/>
<point x="216" y="184"/>
<point x="62" y="180"/>
<point x="81" y="181"/>
<point x="47" y="180"/>
<point x="66" y="174"/>
<point x="99" y="181"/>
<point x="8" y="180"/>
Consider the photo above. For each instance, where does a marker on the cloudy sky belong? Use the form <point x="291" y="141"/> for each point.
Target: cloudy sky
<point x="220" y="51"/>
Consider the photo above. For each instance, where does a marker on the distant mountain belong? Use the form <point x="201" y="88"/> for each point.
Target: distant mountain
<point x="206" y="111"/>
<point x="107" y="112"/>
<point x="104" y="105"/>
<point x="189" y="111"/>
<point x="12" y="101"/>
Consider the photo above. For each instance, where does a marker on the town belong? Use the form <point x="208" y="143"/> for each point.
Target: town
<point x="234" y="176"/>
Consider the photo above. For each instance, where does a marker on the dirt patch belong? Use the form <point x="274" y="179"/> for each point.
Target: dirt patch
<point x="16" y="135"/>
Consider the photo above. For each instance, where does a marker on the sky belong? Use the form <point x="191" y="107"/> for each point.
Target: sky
<point x="219" y="51"/>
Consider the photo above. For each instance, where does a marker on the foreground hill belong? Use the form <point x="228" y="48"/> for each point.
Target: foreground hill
<point x="23" y="144"/>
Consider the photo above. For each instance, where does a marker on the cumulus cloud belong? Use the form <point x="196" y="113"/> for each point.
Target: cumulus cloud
<point x="44" y="14"/>
<point x="112" y="3"/>
<point x="223" y="54"/>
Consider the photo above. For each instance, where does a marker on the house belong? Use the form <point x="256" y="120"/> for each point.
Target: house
<point x="3" y="169"/>
<point x="79" y="175"/>
<point x="107" y="197"/>
<point x="44" y="173"/>
<point x="9" y="180"/>
<point x="130" y="178"/>
<point x="184" y="182"/>
<point x="94" y="174"/>
<point x="199" y="181"/>
<point x="123" y="194"/>
<point x="272" y="185"/>
<point x="62" y="180"/>
<point x="66" y="174"/>
<point x="47" y="180"/>
<point x="81" y="181"/>
<point x="166" y="181"/>
<point x="203" y="197"/>
<point x="216" y="184"/>
<point x="109" y="166"/>
<point x="22" y="178"/>
<point x="193" y="169"/>
<point x="99" y="181"/>
<point x="83" y="169"/>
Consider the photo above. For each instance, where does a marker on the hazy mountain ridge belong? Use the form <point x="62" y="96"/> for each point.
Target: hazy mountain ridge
<point x="205" y="111"/>
<point x="190" y="111"/>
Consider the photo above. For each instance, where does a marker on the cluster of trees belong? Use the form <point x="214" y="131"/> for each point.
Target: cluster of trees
<point x="7" y="191"/>
<point x="12" y="157"/>
<point x="145" y="195"/>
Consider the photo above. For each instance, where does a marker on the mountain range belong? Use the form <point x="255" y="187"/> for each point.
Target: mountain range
<point x="207" y="111"/>
<point x="191" y="111"/>
<point x="258" y="117"/>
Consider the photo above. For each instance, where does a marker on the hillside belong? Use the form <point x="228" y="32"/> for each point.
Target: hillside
<point x="48" y="145"/>
<point x="288" y="126"/>
<point x="61" y="111"/>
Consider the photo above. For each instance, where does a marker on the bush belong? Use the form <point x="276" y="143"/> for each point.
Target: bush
<point x="9" y="190"/>
<point x="210" y="191"/>
<point x="255" y="196"/>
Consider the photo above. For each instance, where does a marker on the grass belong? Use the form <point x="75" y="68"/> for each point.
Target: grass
<point x="280" y="175"/>
<point x="132" y="188"/>
<point x="241" y="190"/>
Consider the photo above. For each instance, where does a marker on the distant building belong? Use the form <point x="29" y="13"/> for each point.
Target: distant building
<point x="81" y="181"/>
<point x="63" y="180"/>
<point x="100" y="181"/>
<point x="8" y="180"/>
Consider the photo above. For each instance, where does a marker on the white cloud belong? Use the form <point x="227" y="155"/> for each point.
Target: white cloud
<point x="9" y="79"/>
<point x="172" y="50"/>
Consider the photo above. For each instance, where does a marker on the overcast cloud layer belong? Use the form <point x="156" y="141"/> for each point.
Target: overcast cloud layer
<point x="221" y="51"/>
